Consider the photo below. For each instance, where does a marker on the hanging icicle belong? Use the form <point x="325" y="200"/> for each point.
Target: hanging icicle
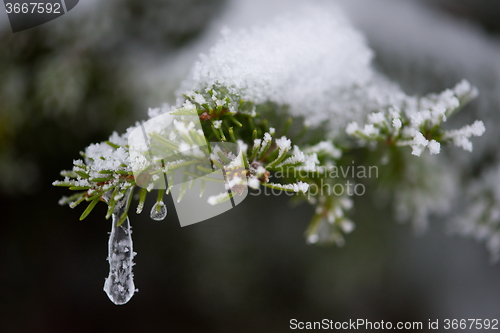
<point x="119" y="285"/>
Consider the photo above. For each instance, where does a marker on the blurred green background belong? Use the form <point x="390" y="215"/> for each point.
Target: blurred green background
<point x="73" y="81"/>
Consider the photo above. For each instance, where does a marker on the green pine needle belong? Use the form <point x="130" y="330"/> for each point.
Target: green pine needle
<point x="142" y="199"/>
<point x="127" y="207"/>
<point x="89" y="208"/>
<point x="114" y="145"/>
<point x="82" y="174"/>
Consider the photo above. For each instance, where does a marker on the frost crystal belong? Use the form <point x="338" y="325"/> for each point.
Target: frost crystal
<point x="376" y="118"/>
<point x="419" y="143"/>
<point x="243" y="146"/>
<point x="352" y="128"/>
<point x="295" y="187"/>
<point x="416" y="121"/>
<point x="253" y="182"/>
<point x="480" y="219"/>
<point x="217" y="123"/>
<point x="324" y="147"/>
<point x="370" y="130"/>
<point x="284" y="145"/>
<point x="434" y="147"/>
<point x="219" y="198"/>
<point x="461" y="136"/>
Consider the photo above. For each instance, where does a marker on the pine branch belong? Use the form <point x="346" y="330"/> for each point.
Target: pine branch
<point x="105" y="173"/>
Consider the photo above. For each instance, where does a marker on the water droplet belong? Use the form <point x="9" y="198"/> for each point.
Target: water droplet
<point x="159" y="211"/>
<point x="119" y="285"/>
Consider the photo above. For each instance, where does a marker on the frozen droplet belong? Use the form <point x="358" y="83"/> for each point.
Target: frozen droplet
<point x="119" y="285"/>
<point x="159" y="211"/>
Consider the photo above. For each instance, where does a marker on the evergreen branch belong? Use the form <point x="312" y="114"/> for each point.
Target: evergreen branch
<point x="105" y="173"/>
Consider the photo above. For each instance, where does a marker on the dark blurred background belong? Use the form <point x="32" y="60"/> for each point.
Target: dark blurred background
<point x="73" y="81"/>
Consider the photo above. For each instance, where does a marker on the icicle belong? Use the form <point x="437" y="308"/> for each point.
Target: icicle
<point x="119" y="286"/>
<point x="159" y="211"/>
